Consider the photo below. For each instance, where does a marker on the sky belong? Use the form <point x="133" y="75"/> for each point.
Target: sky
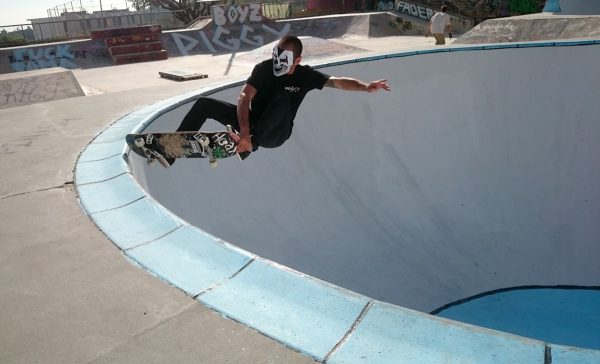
<point x="18" y="11"/>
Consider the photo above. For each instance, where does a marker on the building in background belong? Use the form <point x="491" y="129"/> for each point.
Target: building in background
<point x="80" y="24"/>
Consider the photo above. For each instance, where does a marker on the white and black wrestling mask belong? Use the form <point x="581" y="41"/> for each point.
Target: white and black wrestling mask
<point x="282" y="61"/>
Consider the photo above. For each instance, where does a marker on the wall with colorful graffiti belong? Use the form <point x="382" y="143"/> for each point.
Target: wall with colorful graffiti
<point x="410" y="11"/>
<point x="484" y="9"/>
<point x="234" y="28"/>
<point x="70" y="55"/>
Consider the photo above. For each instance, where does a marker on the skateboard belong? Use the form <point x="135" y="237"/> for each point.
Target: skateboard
<point x="166" y="147"/>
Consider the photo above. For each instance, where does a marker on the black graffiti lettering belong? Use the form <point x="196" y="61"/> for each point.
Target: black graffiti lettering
<point x="80" y="53"/>
<point x="28" y="92"/>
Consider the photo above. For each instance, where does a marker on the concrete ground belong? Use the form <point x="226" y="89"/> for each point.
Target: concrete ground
<point x="67" y="295"/>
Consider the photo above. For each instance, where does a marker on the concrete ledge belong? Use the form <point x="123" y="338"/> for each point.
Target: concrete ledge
<point x="326" y="322"/>
<point x="190" y="259"/>
<point x="299" y="311"/>
<point x="31" y="87"/>
<point x="532" y="28"/>
<point x="391" y="334"/>
<point x="570" y="355"/>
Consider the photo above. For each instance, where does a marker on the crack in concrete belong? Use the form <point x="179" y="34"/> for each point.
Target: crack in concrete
<point x="185" y="308"/>
<point x="67" y="184"/>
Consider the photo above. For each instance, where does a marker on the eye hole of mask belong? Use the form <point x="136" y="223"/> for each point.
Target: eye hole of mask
<point x="278" y="51"/>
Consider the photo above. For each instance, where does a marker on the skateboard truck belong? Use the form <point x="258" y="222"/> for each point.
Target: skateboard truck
<point x="150" y="154"/>
<point x="236" y="137"/>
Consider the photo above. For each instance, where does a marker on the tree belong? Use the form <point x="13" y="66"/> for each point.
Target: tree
<point x="9" y="40"/>
<point x="185" y="10"/>
<point x="140" y="4"/>
<point x="524" y="6"/>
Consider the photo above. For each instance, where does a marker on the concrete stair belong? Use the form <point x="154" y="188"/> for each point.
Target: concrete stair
<point x="135" y="44"/>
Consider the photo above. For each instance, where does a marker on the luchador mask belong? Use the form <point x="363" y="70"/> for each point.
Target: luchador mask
<point x="282" y="61"/>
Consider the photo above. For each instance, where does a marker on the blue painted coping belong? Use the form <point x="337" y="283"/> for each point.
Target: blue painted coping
<point x="329" y="323"/>
<point x="552" y="6"/>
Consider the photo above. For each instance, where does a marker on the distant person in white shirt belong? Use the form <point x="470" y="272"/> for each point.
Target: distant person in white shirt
<point x="438" y="25"/>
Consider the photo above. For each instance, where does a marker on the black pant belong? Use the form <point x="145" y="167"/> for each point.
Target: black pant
<point x="269" y="129"/>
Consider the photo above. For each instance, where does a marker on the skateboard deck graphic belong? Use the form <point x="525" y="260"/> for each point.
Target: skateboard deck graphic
<point x="166" y="147"/>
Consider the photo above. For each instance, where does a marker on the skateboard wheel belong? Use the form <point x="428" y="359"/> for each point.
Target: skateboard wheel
<point x="139" y="142"/>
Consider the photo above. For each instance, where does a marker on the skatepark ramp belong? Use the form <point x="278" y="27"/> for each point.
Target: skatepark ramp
<point x="475" y="173"/>
<point x="567" y="19"/>
<point x="24" y="88"/>
<point x="534" y="27"/>
<point x="386" y="194"/>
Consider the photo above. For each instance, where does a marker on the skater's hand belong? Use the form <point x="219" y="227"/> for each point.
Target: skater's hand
<point x="378" y="85"/>
<point x="244" y="145"/>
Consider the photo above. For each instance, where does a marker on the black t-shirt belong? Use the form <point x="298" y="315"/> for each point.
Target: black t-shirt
<point x="298" y="84"/>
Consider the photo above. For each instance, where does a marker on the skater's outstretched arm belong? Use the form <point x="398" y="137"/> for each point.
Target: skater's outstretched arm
<point x="352" y="84"/>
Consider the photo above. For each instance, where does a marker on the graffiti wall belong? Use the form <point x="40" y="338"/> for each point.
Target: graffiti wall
<point x="71" y="55"/>
<point x="410" y="10"/>
<point x="234" y="28"/>
<point x="485" y="9"/>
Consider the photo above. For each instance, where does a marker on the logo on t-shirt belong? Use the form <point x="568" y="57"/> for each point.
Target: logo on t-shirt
<point x="292" y="89"/>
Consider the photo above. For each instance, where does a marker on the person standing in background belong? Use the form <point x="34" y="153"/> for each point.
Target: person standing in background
<point x="438" y="25"/>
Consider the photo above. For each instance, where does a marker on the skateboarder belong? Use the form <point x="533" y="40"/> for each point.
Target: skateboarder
<point x="269" y="101"/>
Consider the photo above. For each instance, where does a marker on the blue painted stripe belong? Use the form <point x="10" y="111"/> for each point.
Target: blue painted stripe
<point x="536" y="44"/>
<point x="466" y="49"/>
<point x="303" y="313"/>
<point x="190" y="259"/>
<point x="390" y="334"/>
<point x="501" y="46"/>
<point x="138" y="223"/>
<point x="575" y="43"/>
<point x="99" y="151"/>
<point x="110" y="194"/>
<point x="434" y="50"/>
<point x="570" y="355"/>
<point x="402" y="54"/>
<point x="101" y="170"/>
